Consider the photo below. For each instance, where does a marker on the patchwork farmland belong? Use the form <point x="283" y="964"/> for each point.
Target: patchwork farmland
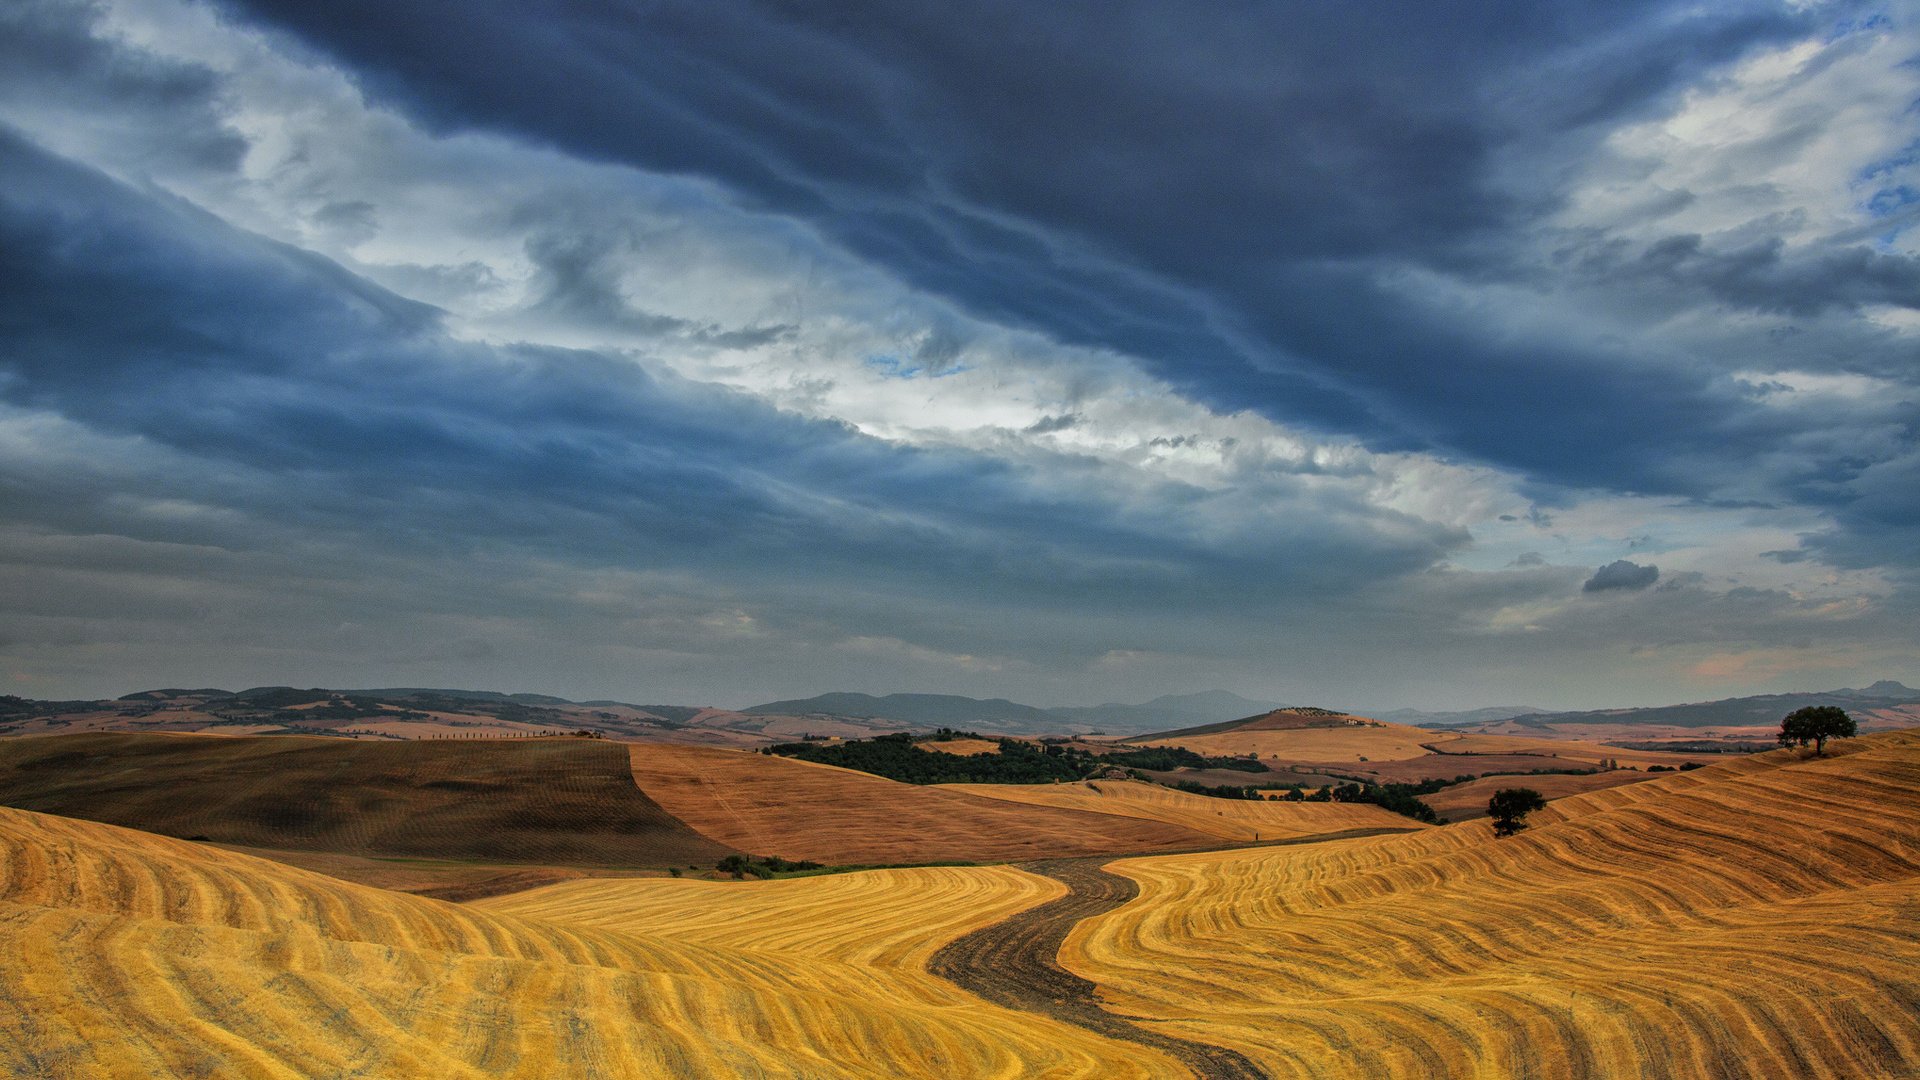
<point x="1753" y="917"/>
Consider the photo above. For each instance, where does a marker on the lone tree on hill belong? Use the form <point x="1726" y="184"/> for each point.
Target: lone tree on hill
<point x="1816" y="724"/>
<point x="1509" y="808"/>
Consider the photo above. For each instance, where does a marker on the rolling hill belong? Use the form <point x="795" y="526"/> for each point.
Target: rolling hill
<point x="1012" y="718"/>
<point x="801" y="810"/>
<point x="559" y="801"/>
<point x="128" y="955"/>
<point x="1166" y="711"/>
<point x="1309" y="740"/>
<point x="482" y="814"/>
<point x="1297" y="735"/>
<point x="1462" y="802"/>
<point x="1758" y="917"/>
<point x="1232" y="820"/>
<point x="1760" y="714"/>
<point x="922" y="710"/>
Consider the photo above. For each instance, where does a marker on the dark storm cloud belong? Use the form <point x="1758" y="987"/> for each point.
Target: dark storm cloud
<point x="1253" y="204"/>
<point x="165" y="111"/>
<point x="1234" y="200"/>
<point x="1621" y="574"/>
<point x="1210" y="194"/>
<point x="135" y="317"/>
<point x="1761" y="276"/>
<point x="1047" y="425"/>
<point x="579" y="281"/>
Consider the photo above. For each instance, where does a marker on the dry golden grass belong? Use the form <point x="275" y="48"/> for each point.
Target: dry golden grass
<point x="1759" y="917"/>
<point x="1229" y="819"/>
<point x="1372" y="739"/>
<point x="128" y="955"/>
<point x="960" y="747"/>
<point x="443" y="879"/>
<point x="1577" y="751"/>
<point x="1396" y="753"/>
<point x="1469" y="800"/>
<point x="802" y="810"/>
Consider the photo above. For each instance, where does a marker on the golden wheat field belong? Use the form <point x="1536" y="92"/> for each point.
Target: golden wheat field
<point x="1358" y="742"/>
<point x="1757" y="918"/>
<point x="1228" y="819"/>
<point x="802" y="810"/>
<point x="1469" y="800"/>
<point x="128" y="955"/>
<point x="959" y="747"/>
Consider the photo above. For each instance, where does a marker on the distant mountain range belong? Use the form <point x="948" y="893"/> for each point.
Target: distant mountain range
<point x="1731" y="712"/>
<point x="999" y="714"/>
<point x="1487" y="715"/>
<point x="1168" y="711"/>
<point x="851" y="714"/>
<point x="1219" y="706"/>
<point x="939" y="710"/>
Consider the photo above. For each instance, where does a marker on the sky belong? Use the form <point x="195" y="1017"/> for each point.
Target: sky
<point x="1429" y="355"/>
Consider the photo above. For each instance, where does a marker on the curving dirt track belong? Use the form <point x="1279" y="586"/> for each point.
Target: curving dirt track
<point x="1011" y="963"/>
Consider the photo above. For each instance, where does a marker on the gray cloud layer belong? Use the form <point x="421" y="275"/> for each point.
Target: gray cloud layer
<point x="1234" y="199"/>
<point x="1360" y="221"/>
<point x="1621" y="574"/>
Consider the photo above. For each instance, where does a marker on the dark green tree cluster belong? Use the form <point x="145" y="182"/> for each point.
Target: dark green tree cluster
<point x="1399" y="798"/>
<point x="1509" y="808"/>
<point x="1168" y="758"/>
<point x="760" y="866"/>
<point x="1816" y="724"/>
<point x="1224" y="791"/>
<point x="897" y="758"/>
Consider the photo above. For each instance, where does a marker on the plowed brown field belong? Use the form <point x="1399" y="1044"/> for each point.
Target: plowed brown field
<point x="561" y="801"/>
<point x="800" y="810"/>
<point x="1760" y="917"/>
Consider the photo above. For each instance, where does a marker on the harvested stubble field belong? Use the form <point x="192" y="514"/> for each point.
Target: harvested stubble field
<point x="1574" y="751"/>
<point x="126" y="955"/>
<point x="801" y="810"/>
<point x="1759" y="917"/>
<point x="1284" y="738"/>
<point x="1274" y="774"/>
<point x="1228" y="819"/>
<point x="1469" y="800"/>
<point x="959" y="747"/>
<point x="1395" y="753"/>
<point x="1449" y="766"/>
<point x="560" y="801"/>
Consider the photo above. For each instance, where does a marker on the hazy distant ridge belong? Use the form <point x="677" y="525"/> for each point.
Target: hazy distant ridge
<point x="998" y="713"/>
<point x="938" y="709"/>
<point x="1730" y="712"/>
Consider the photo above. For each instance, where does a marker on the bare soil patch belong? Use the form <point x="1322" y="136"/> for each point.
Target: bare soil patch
<point x="552" y="802"/>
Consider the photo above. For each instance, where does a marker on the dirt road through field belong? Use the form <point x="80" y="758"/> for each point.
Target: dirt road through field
<point x="1013" y="963"/>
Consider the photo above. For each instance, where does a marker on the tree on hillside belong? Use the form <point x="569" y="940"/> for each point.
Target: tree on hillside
<point x="1509" y="808"/>
<point x="1816" y="724"/>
